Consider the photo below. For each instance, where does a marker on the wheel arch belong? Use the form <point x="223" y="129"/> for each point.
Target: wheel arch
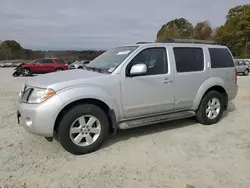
<point x="212" y="84"/>
<point x="105" y="107"/>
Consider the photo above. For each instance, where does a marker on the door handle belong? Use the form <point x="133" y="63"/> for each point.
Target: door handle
<point x="167" y="81"/>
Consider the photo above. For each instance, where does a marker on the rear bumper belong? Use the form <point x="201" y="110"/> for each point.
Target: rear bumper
<point x="232" y="92"/>
<point x="39" y="119"/>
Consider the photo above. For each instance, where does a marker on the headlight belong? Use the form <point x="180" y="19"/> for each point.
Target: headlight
<point x="21" y="91"/>
<point x="39" y="95"/>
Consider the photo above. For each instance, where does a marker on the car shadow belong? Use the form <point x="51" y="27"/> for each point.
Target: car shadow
<point x="123" y="135"/>
<point x="231" y="107"/>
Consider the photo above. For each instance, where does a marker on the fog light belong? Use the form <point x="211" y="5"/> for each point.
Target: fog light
<point x="28" y="121"/>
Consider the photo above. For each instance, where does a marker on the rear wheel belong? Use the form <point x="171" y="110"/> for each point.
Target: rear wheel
<point x="83" y="129"/>
<point x="211" y="108"/>
<point x="246" y="72"/>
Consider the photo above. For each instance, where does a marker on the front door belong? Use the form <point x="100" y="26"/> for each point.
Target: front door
<point x="152" y="92"/>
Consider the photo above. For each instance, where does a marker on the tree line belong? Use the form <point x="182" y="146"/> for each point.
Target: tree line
<point x="235" y="33"/>
<point x="10" y="50"/>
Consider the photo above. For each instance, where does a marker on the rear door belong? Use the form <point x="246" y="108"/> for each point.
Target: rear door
<point x="191" y="72"/>
<point x="47" y="65"/>
<point x="59" y="63"/>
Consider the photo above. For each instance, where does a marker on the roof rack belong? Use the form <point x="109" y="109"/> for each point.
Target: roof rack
<point x="143" y="42"/>
<point x="193" y="41"/>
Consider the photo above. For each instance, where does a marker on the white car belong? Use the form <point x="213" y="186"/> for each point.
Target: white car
<point x="79" y="64"/>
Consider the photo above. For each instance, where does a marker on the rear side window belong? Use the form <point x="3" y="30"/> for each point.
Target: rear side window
<point x="189" y="59"/>
<point x="60" y="61"/>
<point x="44" y="61"/>
<point x="220" y="58"/>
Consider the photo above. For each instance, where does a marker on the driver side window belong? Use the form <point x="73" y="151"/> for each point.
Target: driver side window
<point x="154" y="58"/>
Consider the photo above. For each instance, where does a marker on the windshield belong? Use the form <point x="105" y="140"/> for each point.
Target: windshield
<point x="111" y="59"/>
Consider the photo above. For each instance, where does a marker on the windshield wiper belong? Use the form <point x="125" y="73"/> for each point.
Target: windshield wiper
<point x="95" y="69"/>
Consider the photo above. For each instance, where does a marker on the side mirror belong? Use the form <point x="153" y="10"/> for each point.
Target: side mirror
<point x="138" y="69"/>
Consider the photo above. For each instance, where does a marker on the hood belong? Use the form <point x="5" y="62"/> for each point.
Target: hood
<point x="63" y="79"/>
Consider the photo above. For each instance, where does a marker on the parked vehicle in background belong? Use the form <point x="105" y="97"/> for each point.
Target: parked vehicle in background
<point x="243" y="66"/>
<point x="127" y="87"/>
<point x="41" y="66"/>
<point x="79" y="64"/>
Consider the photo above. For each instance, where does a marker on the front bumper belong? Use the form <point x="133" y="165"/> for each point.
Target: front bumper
<point x="39" y="119"/>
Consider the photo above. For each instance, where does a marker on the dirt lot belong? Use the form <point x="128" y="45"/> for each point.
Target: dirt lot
<point x="166" y="155"/>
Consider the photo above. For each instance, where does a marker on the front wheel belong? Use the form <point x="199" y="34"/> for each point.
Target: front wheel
<point x="83" y="129"/>
<point x="15" y="74"/>
<point x="211" y="108"/>
<point x="26" y="72"/>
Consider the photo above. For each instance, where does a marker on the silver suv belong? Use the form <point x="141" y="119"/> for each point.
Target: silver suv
<point x="128" y="87"/>
<point x="243" y="66"/>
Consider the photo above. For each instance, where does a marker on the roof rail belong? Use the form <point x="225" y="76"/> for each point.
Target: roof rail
<point x="194" y="41"/>
<point x="143" y="42"/>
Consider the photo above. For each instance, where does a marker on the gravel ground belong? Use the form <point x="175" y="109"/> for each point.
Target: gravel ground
<point x="165" y="155"/>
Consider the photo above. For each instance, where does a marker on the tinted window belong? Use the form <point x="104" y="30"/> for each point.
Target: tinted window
<point x="86" y="62"/>
<point x="189" y="59"/>
<point x="44" y="61"/>
<point x="154" y="58"/>
<point x="220" y="57"/>
<point x="60" y="61"/>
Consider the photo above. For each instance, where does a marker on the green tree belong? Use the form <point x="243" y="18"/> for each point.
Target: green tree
<point x="203" y="31"/>
<point x="11" y="49"/>
<point x="177" y="28"/>
<point x="235" y="33"/>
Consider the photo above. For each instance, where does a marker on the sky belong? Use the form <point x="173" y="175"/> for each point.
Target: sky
<point x="100" y="24"/>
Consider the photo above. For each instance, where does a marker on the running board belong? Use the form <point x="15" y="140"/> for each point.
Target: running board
<point x="127" y="124"/>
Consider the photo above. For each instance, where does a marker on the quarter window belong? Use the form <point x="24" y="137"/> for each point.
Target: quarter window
<point x="220" y="57"/>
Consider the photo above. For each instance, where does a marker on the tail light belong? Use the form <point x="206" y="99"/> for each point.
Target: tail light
<point x="235" y="76"/>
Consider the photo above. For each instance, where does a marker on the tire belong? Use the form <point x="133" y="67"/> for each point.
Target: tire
<point x="203" y="112"/>
<point x="80" y="67"/>
<point x="15" y="74"/>
<point x="59" y="69"/>
<point x="26" y="72"/>
<point x="70" y="121"/>
<point x="246" y="72"/>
